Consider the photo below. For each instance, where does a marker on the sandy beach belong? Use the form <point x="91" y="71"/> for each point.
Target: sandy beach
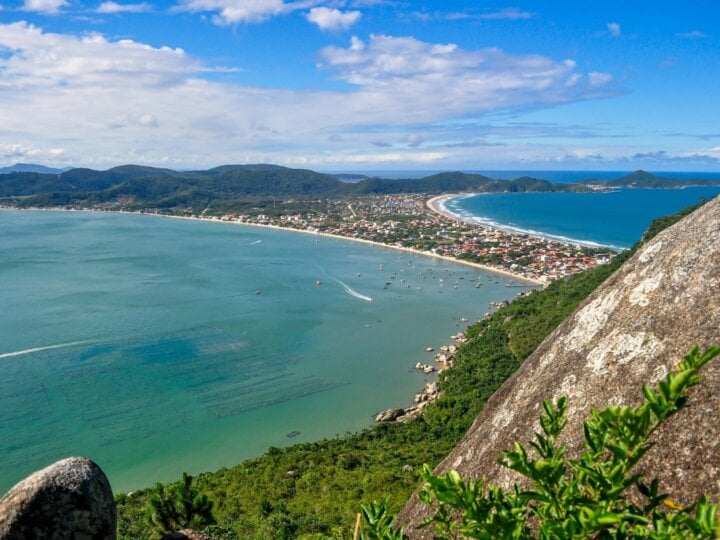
<point x="434" y="201"/>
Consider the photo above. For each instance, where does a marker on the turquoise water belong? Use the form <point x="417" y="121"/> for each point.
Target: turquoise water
<point x="616" y="218"/>
<point x="156" y="346"/>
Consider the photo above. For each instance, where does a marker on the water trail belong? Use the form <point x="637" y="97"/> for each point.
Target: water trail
<point x="45" y="348"/>
<point x="348" y="289"/>
<point x="256" y="242"/>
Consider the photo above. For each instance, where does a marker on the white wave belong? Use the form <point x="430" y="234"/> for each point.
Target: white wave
<point x="45" y="348"/>
<point x="348" y="289"/>
<point x="464" y="215"/>
<point x="351" y="291"/>
<point x="256" y="242"/>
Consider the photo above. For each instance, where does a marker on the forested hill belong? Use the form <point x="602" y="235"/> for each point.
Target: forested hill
<point x="644" y="179"/>
<point x="165" y="188"/>
<point x="135" y="186"/>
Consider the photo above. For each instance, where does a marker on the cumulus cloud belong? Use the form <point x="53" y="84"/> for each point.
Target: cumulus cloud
<point x="243" y="11"/>
<point x="114" y="7"/>
<point x="332" y="19"/>
<point x="596" y="78"/>
<point x="614" y="29"/>
<point x="49" y="7"/>
<point x="161" y="105"/>
<point x="403" y="76"/>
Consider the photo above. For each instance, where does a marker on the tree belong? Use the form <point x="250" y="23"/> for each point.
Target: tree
<point x="178" y="506"/>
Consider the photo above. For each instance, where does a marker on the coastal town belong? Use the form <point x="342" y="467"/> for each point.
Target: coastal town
<point x="406" y="221"/>
<point x="414" y="222"/>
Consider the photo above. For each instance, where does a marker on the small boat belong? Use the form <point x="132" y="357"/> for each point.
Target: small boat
<point x="318" y="282"/>
<point x="293" y="434"/>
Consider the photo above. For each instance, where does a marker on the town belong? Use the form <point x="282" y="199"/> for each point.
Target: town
<point x="406" y="221"/>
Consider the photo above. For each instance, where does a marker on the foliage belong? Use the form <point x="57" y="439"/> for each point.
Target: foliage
<point x="178" y="506"/>
<point x="579" y="498"/>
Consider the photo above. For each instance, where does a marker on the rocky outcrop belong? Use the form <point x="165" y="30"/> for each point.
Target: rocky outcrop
<point x="390" y="415"/>
<point x="631" y="330"/>
<point x="70" y="499"/>
<point x="187" y="534"/>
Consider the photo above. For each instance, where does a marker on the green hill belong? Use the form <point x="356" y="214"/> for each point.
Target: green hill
<point x="644" y="179"/>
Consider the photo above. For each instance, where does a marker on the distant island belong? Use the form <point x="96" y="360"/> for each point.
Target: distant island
<point x="136" y="187"/>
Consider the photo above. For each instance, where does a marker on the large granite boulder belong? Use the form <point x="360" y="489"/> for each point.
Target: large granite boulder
<point x="70" y="499"/>
<point x="631" y="330"/>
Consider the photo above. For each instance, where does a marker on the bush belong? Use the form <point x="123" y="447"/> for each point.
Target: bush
<point x="571" y="498"/>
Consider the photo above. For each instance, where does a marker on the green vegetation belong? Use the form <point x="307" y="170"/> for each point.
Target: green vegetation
<point x="588" y="497"/>
<point x="178" y="506"/>
<point x="134" y="187"/>
<point x="313" y="490"/>
<point x="643" y="179"/>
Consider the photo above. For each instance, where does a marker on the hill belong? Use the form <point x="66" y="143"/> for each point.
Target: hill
<point x="134" y="186"/>
<point x="32" y="168"/>
<point x="643" y="179"/>
<point x="630" y="331"/>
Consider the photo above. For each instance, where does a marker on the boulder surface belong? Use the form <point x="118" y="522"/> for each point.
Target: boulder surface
<point x="70" y="499"/>
<point x="631" y="330"/>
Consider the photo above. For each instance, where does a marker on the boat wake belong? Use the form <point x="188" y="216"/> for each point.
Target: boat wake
<point x="45" y="348"/>
<point x="348" y="289"/>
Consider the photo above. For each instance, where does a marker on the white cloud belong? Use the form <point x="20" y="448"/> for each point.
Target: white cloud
<point x="614" y="29"/>
<point x="114" y="7"/>
<point x="596" y="78"/>
<point x="418" y="81"/>
<point x="332" y="19"/>
<point x="501" y="14"/>
<point x="694" y="34"/>
<point x="103" y="102"/>
<point x="243" y="11"/>
<point x="44" y="6"/>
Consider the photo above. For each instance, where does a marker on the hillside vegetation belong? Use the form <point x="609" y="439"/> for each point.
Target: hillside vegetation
<point x="134" y="187"/>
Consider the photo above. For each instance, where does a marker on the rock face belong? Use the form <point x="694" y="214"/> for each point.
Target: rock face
<point x="389" y="415"/>
<point x="70" y="499"/>
<point x="631" y="330"/>
<point x="186" y="534"/>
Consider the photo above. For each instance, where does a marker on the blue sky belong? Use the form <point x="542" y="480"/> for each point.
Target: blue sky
<point x="361" y="84"/>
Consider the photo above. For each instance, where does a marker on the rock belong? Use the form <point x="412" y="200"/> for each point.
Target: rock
<point x="70" y="499"/>
<point x="186" y="534"/>
<point x="390" y="415"/>
<point x="631" y="330"/>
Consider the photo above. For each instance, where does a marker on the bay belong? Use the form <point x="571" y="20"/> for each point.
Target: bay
<point x="156" y="346"/>
<point x="615" y="218"/>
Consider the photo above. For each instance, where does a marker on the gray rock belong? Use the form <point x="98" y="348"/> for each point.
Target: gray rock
<point x="187" y="534"/>
<point x="631" y="330"/>
<point x="390" y="415"/>
<point x="70" y="499"/>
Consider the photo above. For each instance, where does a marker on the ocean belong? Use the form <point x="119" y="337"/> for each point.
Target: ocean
<point x="615" y="218"/>
<point x="155" y="346"/>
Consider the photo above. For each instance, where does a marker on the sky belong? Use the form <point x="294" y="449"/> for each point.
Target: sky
<point x="361" y="85"/>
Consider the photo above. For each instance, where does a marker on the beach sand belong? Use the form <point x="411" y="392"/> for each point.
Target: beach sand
<point x="434" y="204"/>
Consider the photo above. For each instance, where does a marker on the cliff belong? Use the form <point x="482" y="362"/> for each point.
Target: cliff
<point x="631" y="330"/>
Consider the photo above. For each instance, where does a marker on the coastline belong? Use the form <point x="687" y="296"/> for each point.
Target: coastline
<point x="478" y="266"/>
<point x="437" y="205"/>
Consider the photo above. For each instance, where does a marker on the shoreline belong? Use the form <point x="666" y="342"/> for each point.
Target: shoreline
<point x="437" y="205"/>
<point x="478" y="266"/>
